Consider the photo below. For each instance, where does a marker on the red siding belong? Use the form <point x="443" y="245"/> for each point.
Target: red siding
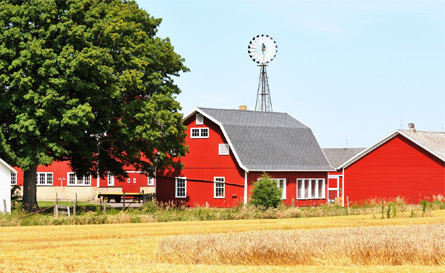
<point x="204" y="163"/>
<point x="397" y="168"/>
<point x="291" y="186"/>
<point x="60" y="170"/>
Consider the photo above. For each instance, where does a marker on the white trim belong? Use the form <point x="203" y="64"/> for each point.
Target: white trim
<point x="310" y="189"/>
<point x="310" y="171"/>
<point x="420" y="145"/>
<point x="151" y="179"/>
<point x="214" y="187"/>
<point x="343" y="188"/>
<point x="338" y="184"/>
<point x="245" y="188"/>
<point x="185" y="187"/>
<point x="15" y="175"/>
<point x="223" y="149"/>
<point x="199" y="119"/>
<point x="135" y="172"/>
<point x="109" y="174"/>
<point x="76" y="184"/>
<point x="8" y="166"/>
<point x="200" y="129"/>
<point x="46" y="178"/>
<point x="283" y="193"/>
<point x="224" y="133"/>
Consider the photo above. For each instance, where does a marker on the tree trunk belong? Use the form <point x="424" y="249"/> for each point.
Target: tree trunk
<point x="30" y="189"/>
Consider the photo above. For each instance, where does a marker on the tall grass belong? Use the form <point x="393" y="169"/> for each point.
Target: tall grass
<point x="166" y="212"/>
<point x="388" y="245"/>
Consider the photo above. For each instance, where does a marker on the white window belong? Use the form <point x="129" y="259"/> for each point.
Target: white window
<point x="224" y="149"/>
<point x="199" y="132"/>
<point x="281" y="183"/>
<point x="110" y="179"/>
<point x="44" y="178"/>
<point x="310" y="189"/>
<point x="73" y="180"/>
<point x="134" y="180"/>
<point x="219" y="187"/>
<point x="199" y="119"/>
<point x="13" y="179"/>
<point x="151" y="181"/>
<point x="180" y="187"/>
<point x="128" y="180"/>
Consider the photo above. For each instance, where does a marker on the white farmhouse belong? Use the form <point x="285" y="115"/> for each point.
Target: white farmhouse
<point x="5" y="186"/>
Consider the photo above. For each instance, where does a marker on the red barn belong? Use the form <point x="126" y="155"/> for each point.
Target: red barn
<point x="230" y="149"/>
<point x="407" y="164"/>
<point x="58" y="180"/>
<point x="337" y="157"/>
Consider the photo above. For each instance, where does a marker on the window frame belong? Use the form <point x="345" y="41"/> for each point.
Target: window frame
<point x="46" y="179"/>
<point x="283" y="192"/>
<point x="150" y="181"/>
<point x="222" y="151"/>
<point x="199" y="119"/>
<point x="13" y="179"/>
<point x="110" y="179"/>
<point x="200" y="130"/>
<point x="215" y="187"/>
<point x="306" y="192"/>
<point x="76" y="180"/>
<point x="176" y="187"/>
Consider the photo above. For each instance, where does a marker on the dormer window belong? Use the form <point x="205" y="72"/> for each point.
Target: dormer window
<point x="199" y="132"/>
<point x="199" y="119"/>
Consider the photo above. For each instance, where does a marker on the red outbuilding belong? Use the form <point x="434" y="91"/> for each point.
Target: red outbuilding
<point x="59" y="181"/>
<point x="408" y="164"/>
<point x="230" y="149"/>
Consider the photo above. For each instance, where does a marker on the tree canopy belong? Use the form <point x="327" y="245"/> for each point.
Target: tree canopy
<point x="90" y="82"/>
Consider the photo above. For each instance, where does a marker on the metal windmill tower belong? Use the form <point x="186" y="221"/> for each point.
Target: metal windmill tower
<point x="263" y="49"/>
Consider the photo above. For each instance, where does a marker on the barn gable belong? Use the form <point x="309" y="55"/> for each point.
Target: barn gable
<point x="268" y="141"/>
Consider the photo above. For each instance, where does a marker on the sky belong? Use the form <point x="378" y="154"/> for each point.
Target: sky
<point x="354" y="71"/>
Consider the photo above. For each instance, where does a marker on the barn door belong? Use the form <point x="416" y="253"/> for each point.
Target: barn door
<point x="334" y="187"/>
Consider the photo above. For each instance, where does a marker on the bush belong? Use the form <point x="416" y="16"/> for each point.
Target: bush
<point x="265" y="193"/>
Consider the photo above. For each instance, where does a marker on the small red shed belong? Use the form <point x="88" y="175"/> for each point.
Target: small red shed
<point x="230" y="149"/>
<point x="408" y="164"/>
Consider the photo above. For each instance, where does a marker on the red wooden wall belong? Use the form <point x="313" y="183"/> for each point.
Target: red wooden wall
<point x="397" y="168"/>
<point x="60" y="169"/>
<point x="291" y="186"/>
<point x="203" y="163"/>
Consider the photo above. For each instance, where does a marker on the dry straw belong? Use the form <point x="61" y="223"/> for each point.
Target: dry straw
<point x="388" y="245"/>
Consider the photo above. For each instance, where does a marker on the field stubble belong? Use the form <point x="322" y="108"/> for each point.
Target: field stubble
<point x="133" y="247"/>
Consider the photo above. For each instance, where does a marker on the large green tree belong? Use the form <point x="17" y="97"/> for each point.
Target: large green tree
<point x="86" y="81"/>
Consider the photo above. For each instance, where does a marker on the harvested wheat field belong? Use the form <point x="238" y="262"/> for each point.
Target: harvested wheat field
<point x="352" y="244"/>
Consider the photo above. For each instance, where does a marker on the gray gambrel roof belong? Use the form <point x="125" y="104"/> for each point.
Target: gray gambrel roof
<point x="268" y="141"/>
<point x="338" y="156"/>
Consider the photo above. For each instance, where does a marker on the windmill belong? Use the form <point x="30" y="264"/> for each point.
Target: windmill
<point x="262" y="50"/>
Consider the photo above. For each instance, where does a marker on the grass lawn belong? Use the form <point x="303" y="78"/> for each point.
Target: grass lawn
<point x="132" y="247"/>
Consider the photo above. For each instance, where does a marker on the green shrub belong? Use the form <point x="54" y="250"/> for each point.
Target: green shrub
<point x="265" y="193"/>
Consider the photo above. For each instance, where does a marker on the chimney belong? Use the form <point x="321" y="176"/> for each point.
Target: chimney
<point x="411" y="127"/>
<point x="243" y="107"/>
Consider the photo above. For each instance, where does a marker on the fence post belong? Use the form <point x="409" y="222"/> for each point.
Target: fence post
<point x="4" y="205"/>
<point x="105" y="208"/>
<point x="68" y="209"/>
<point x="124" y="201"/>
<point x="292" y="202"/>
<point x="57" y="200"/>
<point x="56" y="210"/>
<point x="74" y="207"/>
